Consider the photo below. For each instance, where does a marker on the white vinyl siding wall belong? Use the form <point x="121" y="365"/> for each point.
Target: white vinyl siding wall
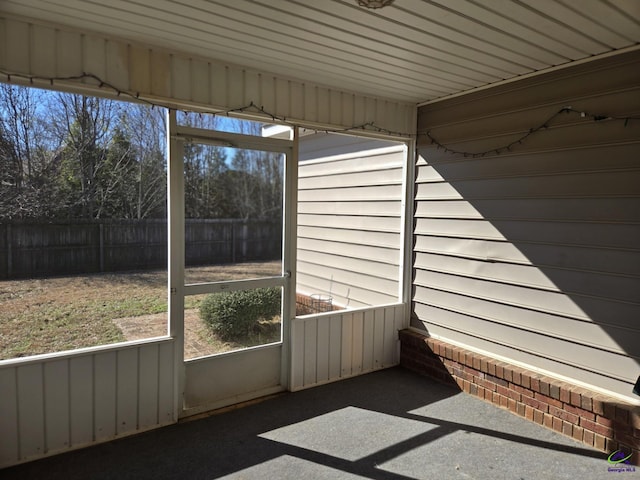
<point x="349" y="227"/>
<point x="533" y="254"/>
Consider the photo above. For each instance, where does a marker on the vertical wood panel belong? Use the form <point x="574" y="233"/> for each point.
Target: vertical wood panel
<point x="94" y="55"/>
<point x="356" y="342"/>
<point x="359" y="110"/>
<point x="252" y="88"/>
<point x="268" y="91"/>
<point x="335" y="346"/>
<point x="347" y="345"/>
<point x="323" y="102"/>
<point x="9" y="452"/>
<point x="105" y="395"/>
<point x="81" y="383"/>
<point x="140" y="69"/>
<point x="31" y="411"/>
<point x="311" y="102"/>
<point x="160" y="74"/>
<point x="335" y="107"/>
<point x="45" y="55"/>
<point x="282" y="98"/>
<point x="127" y="391"/>
<point x="56" y="405"/>
<point x="297" y="100"/>
<point x="323" y="349"/>
<point x="378" y="335"/>
<point x="348" y="104"/>
<point x="68" y="53"/>
<point x="148" y="386"/>
<point x="165" y="383"/>
<point x="218" y="75"/>
<point x="180" y="79"/>
<point x="390" y="337"/>
<point x="200" y="81"/>
<point x="18" y="56"/>
<point x="235" y="87"/>
<point x="297" y="353"/>
<point x="117" y="60"/>
<point x="3" y="42"/>
<point x="310" y="351"/>
<point x="368" y="340"/>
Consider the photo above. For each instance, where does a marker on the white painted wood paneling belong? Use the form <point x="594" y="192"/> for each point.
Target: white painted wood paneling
<point x="81" y="402"/>
<point x="56" y="391"/>
<point x="30" y="411"/>
<point x="170" y="77"/>
<point x="53" y="403"/>
<point x="105" y="395"/>
<point x="349" y="223"/>
<point x="532" y="254"/>
<point x="332" y="346"/>
<point x="10" y="446"/>
<point x="209" y="385"/>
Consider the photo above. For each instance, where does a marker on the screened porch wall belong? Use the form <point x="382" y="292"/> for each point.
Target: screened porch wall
<point x="533" y="254"/>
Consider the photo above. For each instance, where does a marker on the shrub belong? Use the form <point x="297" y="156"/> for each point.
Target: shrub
<point x="235" y="315"/>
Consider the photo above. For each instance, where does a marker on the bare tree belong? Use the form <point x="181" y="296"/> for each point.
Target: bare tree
<point x="146" y="129"/>
<point x="27" y="154"/>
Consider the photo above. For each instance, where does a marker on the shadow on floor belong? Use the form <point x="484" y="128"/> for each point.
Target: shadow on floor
<point x="391" y="424"/>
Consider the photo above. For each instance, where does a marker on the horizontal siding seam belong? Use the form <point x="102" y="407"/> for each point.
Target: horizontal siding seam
<point x="363" y="258"/>
<point x="470" y="199"/>
<point x="359" y="272"/>
<point x="381" y="183"/>
<point x="350" y="229"/>
<point x="351" y="298"/>
<point x="530" y="107"/>
<point x="503" y="261"/>
<point x="501" y="134"/>
<point x="529" y="242"/>
<point x="458" y="158"/>
<point x="522" y="219"/>
<point x="529" y="352"/>
<point x="338" y="173"/>
<point x="390" y="248"/>
<point x="338" y="282"/>
<point x="532" y="174"/>
<point x="520" y="328"/>
<point x="510" y="304"/>
<point x="539" y="288"/>
<point x="424" y="233"/>
<point x="378" y="245"/>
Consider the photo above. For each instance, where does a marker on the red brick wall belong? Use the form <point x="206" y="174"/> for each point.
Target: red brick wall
<point x="602" y="422"/>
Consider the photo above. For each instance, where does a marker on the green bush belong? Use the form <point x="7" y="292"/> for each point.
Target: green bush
<point x="235" y="315"/>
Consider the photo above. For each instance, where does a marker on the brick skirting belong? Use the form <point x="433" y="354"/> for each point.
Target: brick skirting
<point x="602" y="422"/>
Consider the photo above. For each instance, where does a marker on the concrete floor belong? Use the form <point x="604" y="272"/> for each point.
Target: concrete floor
<point x="391" y="424"/>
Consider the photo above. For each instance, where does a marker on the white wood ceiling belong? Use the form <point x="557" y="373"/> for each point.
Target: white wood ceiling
<point x="413" y="50"/>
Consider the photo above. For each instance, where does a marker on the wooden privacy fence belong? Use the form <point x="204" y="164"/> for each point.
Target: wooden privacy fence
<point x="30" y="249"/>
